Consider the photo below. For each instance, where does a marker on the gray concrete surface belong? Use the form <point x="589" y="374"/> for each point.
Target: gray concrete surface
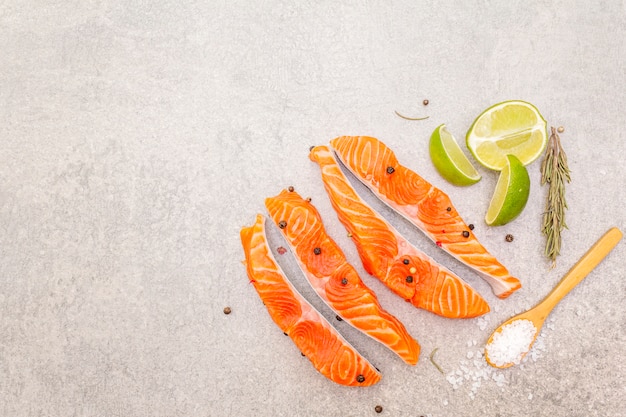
<point x="136" y="138"/>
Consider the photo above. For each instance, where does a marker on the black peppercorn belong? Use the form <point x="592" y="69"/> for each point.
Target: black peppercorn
<point x="378" y="409"/>
<point x="509" y="238"/>
<point x="360" y="378"/>
<point x="344" y="281"/>
<point x="338" y="318"/>
<point x="448" y="208"/>
<point x="390" y="170"/>
<point x="282" y="224"/>
<point x="406" y="261"/>
<point x="317" y="251"/>
<point x="471" y="227"/>
<point x="409" y="279"/>
<point x="290" y="189"/>
<point x="465" y="233"/>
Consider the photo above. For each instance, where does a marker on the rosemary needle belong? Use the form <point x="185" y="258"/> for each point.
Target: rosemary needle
<point x="432" y="360"/>
<point x="411" y="118"/>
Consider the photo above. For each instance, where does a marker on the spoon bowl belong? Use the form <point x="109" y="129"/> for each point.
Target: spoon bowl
<point x="521" y="350"/>
<point x="514" y="327"/>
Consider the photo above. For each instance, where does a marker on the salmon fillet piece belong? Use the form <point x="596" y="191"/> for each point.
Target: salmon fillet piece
<point x="333" y="278"/>
<point x="316" y="338"/>
<point x="388" y="256"/>
<point x="424" y="205"/>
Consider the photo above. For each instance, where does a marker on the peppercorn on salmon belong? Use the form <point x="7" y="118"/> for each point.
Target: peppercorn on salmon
<point x="388" y="256"/>
<point x="327" y="350"/>
<point x="333" y="278"/>
<point x="427" y="207"/>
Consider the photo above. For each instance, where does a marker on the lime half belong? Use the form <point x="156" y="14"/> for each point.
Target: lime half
<point x="511" y="194"/>
<point x="507" y="128"/>
<point x="450" y="160"/>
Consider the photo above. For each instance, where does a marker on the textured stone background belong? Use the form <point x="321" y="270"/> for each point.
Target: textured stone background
<point x="136" y="138"/>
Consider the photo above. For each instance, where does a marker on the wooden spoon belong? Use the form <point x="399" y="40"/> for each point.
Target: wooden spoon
<point x="538" y="314"/>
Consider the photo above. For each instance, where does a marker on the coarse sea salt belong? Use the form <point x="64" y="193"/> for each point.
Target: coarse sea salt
<point x="476" y="372"/>
<point x="482" y="323"/>
<point x="511" y="343"/>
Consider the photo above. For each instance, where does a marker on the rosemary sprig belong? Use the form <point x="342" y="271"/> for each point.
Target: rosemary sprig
<point x="555" y="172"/>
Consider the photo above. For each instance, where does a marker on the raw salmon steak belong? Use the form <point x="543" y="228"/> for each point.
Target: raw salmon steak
<point x="388" y="256"/>
<point x="333" y="278"/>
<point x="426" y="206"/>
<point x="330" y="353"/>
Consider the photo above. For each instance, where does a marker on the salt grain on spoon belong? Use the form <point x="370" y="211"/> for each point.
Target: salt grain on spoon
<point x="510" y="342"/>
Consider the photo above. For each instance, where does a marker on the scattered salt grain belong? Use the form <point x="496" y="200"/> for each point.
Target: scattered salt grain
<point x="482" y="323"/>
<point x="475" y="371"/>
<point x="511" y="343"/>
<point x="499" y="379"/>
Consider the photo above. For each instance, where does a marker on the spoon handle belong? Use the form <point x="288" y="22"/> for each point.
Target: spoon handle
<point x="583" y="267"/>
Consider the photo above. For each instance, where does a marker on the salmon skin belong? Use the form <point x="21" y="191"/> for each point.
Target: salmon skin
<point x="333" y="278"/>
<point x="316" y="338"/>
<point x="388" y="256"/>
<point x="424" y="205"/>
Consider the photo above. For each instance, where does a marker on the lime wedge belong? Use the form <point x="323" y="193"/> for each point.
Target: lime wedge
<point x="511" y="193"/>
<point x="450" y="160"/>
<point x="507" y="128"/>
